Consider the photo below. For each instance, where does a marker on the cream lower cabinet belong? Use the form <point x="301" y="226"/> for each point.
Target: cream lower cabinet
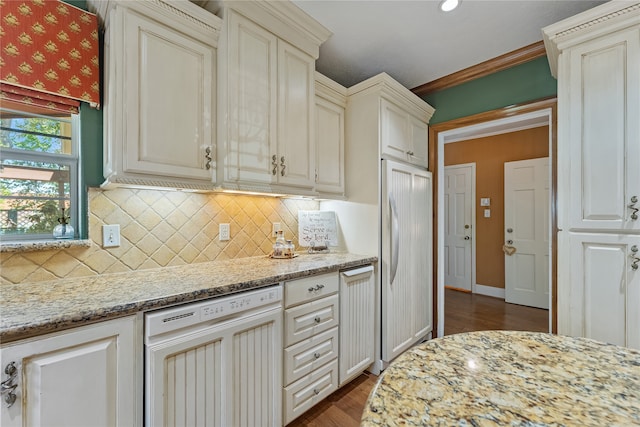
<point x="86" y="376"/>
<point x="311" y="320"/>
<point x="357" y="322"/>
<point x="160" y="93"/>
<point x="604" y="290"/>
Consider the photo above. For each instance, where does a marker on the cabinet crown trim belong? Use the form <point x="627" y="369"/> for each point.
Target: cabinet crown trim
<point x="612" y="16"/>
<point x="188" y="12"/>
<point x="390" y="88"/>
<point x="282" y="18"/>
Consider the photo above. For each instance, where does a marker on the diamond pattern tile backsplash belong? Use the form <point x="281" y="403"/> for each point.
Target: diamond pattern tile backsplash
<point x="161" y="228"/>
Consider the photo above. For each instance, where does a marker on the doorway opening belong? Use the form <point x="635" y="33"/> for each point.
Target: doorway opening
<point x="511" y="123"/>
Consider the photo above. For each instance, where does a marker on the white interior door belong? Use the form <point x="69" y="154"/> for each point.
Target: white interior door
<point x="459" y="189"/>
<point x="526" y="221"/>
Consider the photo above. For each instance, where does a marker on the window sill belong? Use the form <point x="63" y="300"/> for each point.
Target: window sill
<point x="42" y="245"/>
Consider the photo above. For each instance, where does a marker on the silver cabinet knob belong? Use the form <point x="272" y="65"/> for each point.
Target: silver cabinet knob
<point x="282" y="166"/>
<point x="467" y="237"/>
<point x="274" y="163"/>
<point x="634" y="258"/>
<point x="317" y="319"/>
<point x="316" y="355"/>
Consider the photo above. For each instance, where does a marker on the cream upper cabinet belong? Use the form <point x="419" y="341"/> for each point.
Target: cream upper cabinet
<point x="400" y="119"/>
<point x="160" y="93"/>
<point x="331" y="101"/>
<point x="266" y="126"/>
<point x="403" y="136"/>
<point x="596" y="58"/>
<point x="88" y="376"/>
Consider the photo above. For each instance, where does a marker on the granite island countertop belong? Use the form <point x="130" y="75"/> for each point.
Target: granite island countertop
<point x="31" y="309"/>
<point x="496" y="378"/>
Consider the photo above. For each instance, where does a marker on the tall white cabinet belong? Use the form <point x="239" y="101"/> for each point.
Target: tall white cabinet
<point x="385" y="121"/>
<point x="160" y="93"/>
<point x="596" y="58"/>
<point x="266" y="100"/>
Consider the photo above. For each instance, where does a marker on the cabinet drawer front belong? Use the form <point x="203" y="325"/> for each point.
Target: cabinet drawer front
<point x="310" y="354"/>
<point x="304" y="321"/>
<point x="310" y="288"/>
<point x="309" y="390"/>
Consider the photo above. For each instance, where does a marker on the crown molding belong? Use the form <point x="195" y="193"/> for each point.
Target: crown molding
<point x="502" y="62"/>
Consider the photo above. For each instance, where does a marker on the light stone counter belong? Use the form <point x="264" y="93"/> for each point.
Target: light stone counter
<point x="30" y="309"/>
<point x="500" y="378"/>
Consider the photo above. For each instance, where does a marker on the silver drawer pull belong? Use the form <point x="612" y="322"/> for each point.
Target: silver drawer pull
<point x="634" y="258"/>
<point x="632" y="206"/>
<point x="8" y="386"/>
<point x="207" y="156"/>
<point x="317" y="319"/>
<point x="316" y="391"/>
<point x="311" y="289"/>
<point x="318" y="287"/>
<point x="316" y="355"/>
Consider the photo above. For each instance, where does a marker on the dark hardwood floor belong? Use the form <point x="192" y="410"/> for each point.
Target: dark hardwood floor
<point x="464" y="312"/>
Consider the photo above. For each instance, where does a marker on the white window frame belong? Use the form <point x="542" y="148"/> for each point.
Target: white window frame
<point x="71" y="160"/>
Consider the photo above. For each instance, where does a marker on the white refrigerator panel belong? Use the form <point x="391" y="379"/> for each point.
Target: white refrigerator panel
<point x="405" y="259"/>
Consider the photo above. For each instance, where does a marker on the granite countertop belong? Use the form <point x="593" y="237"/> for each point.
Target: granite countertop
<point x="508" y="378"/>
<point x="30" y="309"/>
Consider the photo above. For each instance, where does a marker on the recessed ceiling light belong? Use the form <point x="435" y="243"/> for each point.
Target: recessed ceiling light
<point x="449" y="5"/>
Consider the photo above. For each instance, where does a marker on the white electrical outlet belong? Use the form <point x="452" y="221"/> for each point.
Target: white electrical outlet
<point x="276" y="227"/>
<point x="111" y="236"/>
<point x="224" y="232"/>
<point x="487" y="213"/>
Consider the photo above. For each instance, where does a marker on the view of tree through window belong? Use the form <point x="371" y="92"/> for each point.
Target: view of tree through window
<point x="37" y="174"/>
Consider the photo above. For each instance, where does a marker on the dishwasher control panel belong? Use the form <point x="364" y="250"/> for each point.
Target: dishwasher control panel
<point x="170" y="319"/>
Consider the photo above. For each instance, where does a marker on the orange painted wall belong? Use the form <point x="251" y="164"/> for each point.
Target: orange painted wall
<point x="490" y="153"/>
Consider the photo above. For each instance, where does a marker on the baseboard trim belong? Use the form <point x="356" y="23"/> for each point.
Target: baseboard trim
<point x="488" y="291"/>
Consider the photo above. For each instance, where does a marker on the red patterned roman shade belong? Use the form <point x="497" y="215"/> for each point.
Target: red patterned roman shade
<point x="48" y="47"/>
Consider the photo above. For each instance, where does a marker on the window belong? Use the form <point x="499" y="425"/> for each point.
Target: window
<point x="38" y="172"/>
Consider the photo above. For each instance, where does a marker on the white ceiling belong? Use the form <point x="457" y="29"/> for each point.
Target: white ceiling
<point x="414" y="42"/>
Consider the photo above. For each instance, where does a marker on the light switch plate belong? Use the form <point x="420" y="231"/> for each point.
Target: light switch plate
<point x="485" y="201"/>
<point x="224" y="232"/>
<point x="111" y="236"/>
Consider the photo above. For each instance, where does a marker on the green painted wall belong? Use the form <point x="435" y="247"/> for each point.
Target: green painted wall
<point x="524" y="83"/>
<point x="90" y="148"/>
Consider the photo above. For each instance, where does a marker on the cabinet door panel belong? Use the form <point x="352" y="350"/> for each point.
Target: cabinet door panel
<point x="169" y="125"/>
<point x="295" y="116"/>
<point x="604" y="92"/>
<point x="329" y="147"/>
<point x="357" y="322"/>
<point x="604" y="290"/>
<point x="252" y="76"/>
<point x="419" y="142"/>
<point x="394" y="126"/>
<point x="82" y="377"/>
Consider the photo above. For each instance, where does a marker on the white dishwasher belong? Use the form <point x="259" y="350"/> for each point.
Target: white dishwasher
<point x="216" y="362"/>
